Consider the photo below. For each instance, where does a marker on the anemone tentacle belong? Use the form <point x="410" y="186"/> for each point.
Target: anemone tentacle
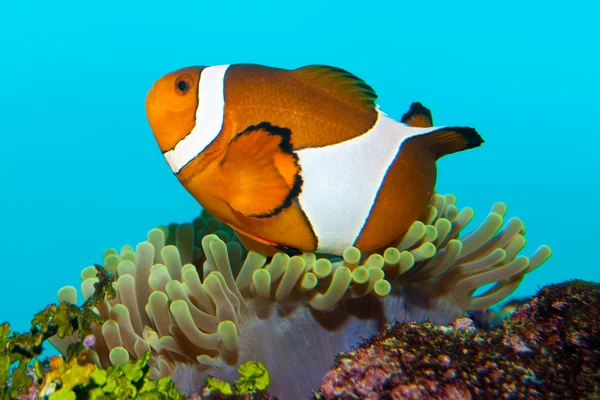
<point x="202" y="304"/>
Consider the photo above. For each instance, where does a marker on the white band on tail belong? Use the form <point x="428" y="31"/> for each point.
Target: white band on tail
<point x="209" y="118"/>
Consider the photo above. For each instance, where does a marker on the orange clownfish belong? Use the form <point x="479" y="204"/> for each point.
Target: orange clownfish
<point x="298" y="160"/>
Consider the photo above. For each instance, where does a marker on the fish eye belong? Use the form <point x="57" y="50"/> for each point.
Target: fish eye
<point x="183" y="84"/>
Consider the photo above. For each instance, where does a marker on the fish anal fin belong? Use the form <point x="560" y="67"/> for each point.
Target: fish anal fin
<point x="444" y="141"/>
<point x="261" y="174"/>
<point x="418" y="116"/>
<point x="340" y="84"/>
<point x="246" y="235"/>
<point x="263" y="246"/>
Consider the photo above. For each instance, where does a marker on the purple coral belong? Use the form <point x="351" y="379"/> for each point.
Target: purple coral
<point x="548" y="349"/>
<point x="89" y="342"/>
<point x="33" y="390"/>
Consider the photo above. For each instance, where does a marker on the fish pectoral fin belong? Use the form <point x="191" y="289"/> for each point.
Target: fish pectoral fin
<point x="340" y="84"/>
<point x="418" y="116"/>
<point x="444" y="141"/>
<point x="261" y="171"/>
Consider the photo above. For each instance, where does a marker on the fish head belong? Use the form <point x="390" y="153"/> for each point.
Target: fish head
<point x="171" y="106"/>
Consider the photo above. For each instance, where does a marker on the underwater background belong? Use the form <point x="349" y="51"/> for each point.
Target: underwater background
<point x="81" y="171"/>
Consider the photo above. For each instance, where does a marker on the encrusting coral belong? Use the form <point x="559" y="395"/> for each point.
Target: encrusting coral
<point x="195" y="299"/>
<point x="548" y="349"/>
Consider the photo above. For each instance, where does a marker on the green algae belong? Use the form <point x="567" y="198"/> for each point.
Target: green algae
<point x="254" y="378"/>
<point x="74" y="376"/>
<point x="70" y="377"/>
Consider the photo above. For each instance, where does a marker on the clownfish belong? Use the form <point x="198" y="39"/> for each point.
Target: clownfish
<point x="298" y="160"/>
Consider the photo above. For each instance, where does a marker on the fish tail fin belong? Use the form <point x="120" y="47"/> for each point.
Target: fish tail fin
<point x="448" y="140"/>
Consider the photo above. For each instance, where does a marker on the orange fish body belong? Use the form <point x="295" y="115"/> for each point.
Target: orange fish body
<point x="298" y="160"/>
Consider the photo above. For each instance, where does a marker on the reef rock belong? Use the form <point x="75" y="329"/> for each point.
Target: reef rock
<point x="549" y="348"/>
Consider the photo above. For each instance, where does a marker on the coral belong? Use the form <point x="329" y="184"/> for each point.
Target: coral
<point x="547" y="349"/>
<point x="66" y="375"/>
<point x="201" y="305"/>
<point x="74" y="376"/>
<point x="56" y="322"/>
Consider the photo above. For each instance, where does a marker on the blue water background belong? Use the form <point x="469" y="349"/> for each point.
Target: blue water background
<point x="80" y="170"/>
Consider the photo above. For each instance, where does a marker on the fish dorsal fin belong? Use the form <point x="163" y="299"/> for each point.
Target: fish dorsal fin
<point x="418" y="116"/>
<point x="340" y="84"/>
<point x="260" y="171"/>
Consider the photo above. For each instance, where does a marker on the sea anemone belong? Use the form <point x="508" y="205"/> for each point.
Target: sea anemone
<point x="195" y="298"/>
